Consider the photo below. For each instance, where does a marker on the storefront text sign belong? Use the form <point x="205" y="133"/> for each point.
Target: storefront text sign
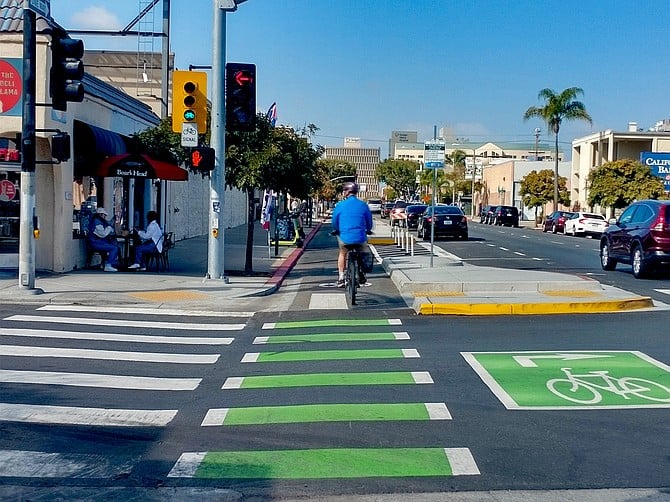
<point x="11" y="87"/>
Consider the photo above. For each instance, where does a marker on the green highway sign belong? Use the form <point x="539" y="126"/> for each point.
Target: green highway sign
<point x="584" y="379"/>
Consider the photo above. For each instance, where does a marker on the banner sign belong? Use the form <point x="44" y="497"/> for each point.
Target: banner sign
<point x="659" y="163"/>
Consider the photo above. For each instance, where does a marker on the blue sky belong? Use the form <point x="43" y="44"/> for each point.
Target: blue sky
<point x="363" y="68"/>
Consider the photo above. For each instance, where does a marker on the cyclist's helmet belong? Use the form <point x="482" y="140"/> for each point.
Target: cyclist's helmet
<point x="350" y="188"/>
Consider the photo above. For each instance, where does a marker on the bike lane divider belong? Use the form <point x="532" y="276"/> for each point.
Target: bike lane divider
<point x="573" y="379"/>
<point x="328" y="379"/>
<point x="326" y="463"/>
<point x="320" y="323"/>
<point x="291" y="414"/>
<point x="328" y="355"/>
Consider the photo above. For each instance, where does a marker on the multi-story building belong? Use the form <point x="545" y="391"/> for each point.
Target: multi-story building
<point x="589" y="152"/>
<point x="400" y="137"/>
<point x="366" y="161"/>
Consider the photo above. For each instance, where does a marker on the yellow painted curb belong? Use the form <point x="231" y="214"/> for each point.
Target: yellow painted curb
<point x="381" y="241"/>
<point x="168" y="295"/>
<point x="534" y="308"/>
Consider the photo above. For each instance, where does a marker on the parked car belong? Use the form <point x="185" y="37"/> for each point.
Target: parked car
<point x="414" y="212"/>
<point x="486" y="215"/>
<point x="556" y="221"/>
<point x="641" y="237"/>
<point x="447" y="221"/>
<point x="375" y="205"/>
<point x="386" y="209"/>
<point x="397" y="214"/>
<point x="505" y="215"/>
<point x="585" y="224"/>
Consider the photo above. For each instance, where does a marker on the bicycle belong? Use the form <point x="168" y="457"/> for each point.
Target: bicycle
<point x="568" y="388"/>
<point x="351" y="272"/>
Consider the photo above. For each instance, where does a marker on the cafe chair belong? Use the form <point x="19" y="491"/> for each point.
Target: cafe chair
<point x="161" y="260"/>
<point x="90" y="255"/>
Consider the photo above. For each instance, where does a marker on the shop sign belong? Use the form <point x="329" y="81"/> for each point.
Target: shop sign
<point x="659" y="163"/>
<point x="7" y="190"/>
<point x="11" y="87"/>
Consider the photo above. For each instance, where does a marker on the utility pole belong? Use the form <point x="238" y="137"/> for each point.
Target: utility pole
<point x="27" y="215"/>
<point x="537" y="141"/>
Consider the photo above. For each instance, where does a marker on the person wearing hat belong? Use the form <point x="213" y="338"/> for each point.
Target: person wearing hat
<point x="101" y="237"/>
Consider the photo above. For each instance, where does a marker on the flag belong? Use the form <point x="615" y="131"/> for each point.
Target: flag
<point x="268" y="208"/>
<point x="272" y="114"/>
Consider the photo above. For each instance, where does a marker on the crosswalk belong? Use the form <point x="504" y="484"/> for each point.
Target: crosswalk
<point x="43" y="351"/>
<point x="302" y="344"/>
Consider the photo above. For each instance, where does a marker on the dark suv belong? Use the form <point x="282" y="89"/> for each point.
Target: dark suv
<point x="505" y="215"/>
<point x="641" y="237"/>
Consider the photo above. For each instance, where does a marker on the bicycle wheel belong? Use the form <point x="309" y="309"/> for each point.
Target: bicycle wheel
<point x="645" y="389"/>
<point x="579" y="393"/>
<point x="350" y="278"/>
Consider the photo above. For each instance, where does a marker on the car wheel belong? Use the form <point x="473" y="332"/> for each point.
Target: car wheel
<point x="565" y="230"/>
<point x="640" y="267"/>
<point x="544" y="228"/>
<point x="606" y="261"/>
<point x="554" y="229"/>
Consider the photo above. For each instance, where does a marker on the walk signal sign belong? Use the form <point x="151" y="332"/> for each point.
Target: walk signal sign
<point x="240" y="97"/>
<point x="189" y="100"/>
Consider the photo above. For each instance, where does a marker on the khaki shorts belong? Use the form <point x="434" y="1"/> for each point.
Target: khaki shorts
<point x="363" y="247"/>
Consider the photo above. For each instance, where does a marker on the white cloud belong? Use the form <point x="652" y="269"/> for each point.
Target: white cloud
<point x="95" y="18"/>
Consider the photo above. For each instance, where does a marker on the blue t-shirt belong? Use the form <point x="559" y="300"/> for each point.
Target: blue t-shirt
<point x="353" y="219"/>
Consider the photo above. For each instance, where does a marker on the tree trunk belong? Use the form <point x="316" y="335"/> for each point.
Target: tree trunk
<point x="249" y="255"/>
<point x="556" y="176"/>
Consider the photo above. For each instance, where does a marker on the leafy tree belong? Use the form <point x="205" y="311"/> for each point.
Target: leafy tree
<point x="399" y="175"/>
<point x="618" y="183"/>
<point x="537" y="189"/>
<point x="160" y="142"/>
<point x="558" y="107"/>
<point x="329" y="169"/>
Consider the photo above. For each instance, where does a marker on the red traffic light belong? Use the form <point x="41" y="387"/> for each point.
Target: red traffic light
<point x="203" y="158"/>
<point x="243" y="78"/>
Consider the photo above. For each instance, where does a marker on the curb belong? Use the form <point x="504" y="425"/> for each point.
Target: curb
<point x="423" y="306"/>
<point x="274" y="283"/>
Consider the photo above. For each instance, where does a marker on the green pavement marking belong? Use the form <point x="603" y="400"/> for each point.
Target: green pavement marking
<point x="328" y="379"/>
<point x="327" y="463"/>
<point x="293" y="414"/>
<point x="584" y="379"/>
<point x="331" y="337"/>
<point x="327" y="355"/>
<point x="331" y="323"/>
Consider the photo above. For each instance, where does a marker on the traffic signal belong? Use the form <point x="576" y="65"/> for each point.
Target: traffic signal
<point x="66" y="72"/>
<point x="240" y="97"/>
<point x="202" y="159"/>
<point x="60" y="146"/>
<point x="189" y="99"/>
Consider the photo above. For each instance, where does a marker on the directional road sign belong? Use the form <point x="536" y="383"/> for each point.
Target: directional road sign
<point x="433" y="156"/>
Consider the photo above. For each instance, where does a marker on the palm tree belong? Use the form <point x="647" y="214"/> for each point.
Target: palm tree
<point x="558" y="107"/>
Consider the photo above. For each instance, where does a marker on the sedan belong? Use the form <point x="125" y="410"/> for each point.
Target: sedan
<point x="413" y="213"/>
<point x="386" y="209"/>
<point x="446" y="221"/>
<point x="585" y="224"/>
<point x="556" y="221"/>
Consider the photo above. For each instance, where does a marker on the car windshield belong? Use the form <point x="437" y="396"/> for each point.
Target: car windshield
<point x="415" y="209"/>
<point x="594" y="216"/>
<point x="447" y="210"/>
<point x="400" y="204"/>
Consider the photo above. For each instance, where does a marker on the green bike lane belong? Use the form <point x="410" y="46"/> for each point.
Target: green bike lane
<point x="308" y="343"/>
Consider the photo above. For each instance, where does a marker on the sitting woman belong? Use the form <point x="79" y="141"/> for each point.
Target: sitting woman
<point x="152" y="241"/>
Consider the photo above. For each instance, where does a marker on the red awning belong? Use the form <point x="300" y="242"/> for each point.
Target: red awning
<point x="130" y="165"/>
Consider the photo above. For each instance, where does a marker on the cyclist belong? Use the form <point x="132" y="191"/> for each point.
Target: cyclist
<point x="352" y="221"/>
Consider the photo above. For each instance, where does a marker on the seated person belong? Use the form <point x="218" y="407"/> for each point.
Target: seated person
<point x="152" y="241"/>
<point x="101" y="237"/>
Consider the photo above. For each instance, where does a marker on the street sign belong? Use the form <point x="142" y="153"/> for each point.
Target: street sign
<point x="41" y="7"/>
<point x="433" y="156"/>
<point x="189" y="134"/>
<point x="584" y="379"/>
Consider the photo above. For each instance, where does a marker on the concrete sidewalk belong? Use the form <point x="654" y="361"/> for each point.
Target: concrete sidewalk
<point x="451" y="287"/>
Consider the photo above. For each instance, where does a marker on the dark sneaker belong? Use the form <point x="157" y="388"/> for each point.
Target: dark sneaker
<point x="340" y="283"/>
<point x="362" y="279"/>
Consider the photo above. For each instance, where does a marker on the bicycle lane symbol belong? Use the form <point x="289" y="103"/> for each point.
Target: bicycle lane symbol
<point x="542" y="380"/>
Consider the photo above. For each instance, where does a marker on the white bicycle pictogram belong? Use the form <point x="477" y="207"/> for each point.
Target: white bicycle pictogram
<point x="585" y="388"/>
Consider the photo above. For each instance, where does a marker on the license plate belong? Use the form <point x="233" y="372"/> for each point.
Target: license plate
<point x="447" y="222"/>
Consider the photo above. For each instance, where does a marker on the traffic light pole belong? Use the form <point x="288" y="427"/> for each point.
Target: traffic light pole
<point x="27" y="214"/>
<point x="217" y="183"/>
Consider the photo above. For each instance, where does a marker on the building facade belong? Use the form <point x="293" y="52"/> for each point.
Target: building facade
<point x="366" y="161"/>
<point x="589" y="152"/>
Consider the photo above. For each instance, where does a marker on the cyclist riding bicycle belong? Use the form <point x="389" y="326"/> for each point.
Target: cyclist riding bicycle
<point x="352" y="221"/>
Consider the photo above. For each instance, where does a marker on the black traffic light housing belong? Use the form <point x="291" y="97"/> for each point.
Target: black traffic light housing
<point x="202" y="159"/>
<point x="60" y="146"/>
<point x="67" y="70"/>
<point x="240" y="97"/>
